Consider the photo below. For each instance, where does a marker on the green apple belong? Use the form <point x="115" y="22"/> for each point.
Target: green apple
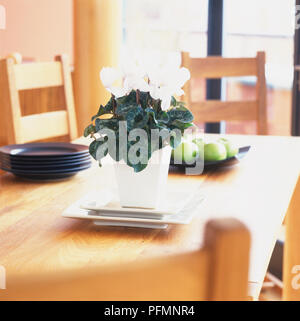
<point x="231" y="148"/>
<point x="200" y="143"/>
<point x="187" y="152"/>
<point x="214" y="152"/>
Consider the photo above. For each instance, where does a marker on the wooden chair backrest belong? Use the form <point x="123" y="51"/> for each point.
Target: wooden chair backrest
<point x="18" y="129"/>
<point x="216" y="67"/>
<point x="218" y="271"/>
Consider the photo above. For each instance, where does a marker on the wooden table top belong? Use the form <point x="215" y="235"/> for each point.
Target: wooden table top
<point x="35" y="238"/>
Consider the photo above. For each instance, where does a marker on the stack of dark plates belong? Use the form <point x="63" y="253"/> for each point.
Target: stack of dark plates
<point x="44" y="161"/>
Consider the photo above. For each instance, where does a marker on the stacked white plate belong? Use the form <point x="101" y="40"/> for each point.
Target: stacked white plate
<point x="104" y="208"/>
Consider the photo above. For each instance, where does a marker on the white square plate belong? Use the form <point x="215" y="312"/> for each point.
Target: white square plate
<point x="106" y="202"/>
<point x="132" y="219"/>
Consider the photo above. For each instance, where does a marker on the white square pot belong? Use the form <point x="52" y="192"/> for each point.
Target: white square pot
<point x="147" y="188"/>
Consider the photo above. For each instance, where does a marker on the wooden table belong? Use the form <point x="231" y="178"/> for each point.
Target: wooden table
<point x="35" y="238"/>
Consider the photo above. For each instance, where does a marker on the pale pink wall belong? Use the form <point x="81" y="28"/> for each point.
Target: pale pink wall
<point x="37" y="28"/>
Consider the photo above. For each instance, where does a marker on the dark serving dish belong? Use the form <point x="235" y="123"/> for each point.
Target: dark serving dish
<point x="226" y="162"/>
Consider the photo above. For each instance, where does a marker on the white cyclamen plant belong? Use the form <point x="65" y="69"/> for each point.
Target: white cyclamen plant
<point x="144" y="101"/>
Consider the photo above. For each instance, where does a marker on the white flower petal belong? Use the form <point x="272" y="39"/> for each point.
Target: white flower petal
<point x="118" y="91"/>
<point x="173" y="61"/>
<point x="136" y="83"/>
<point x="183" y="76"/>
<point x="166" y="102"/>
<point x="155" y="92"/>
<point x="143" y="86"/>
<point x="131" y="66"/>
<point x="179" y="92"/>
<point x="155" y="76"/>
<point x="109" y="75"/>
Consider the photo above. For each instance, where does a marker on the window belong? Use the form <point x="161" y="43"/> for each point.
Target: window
<point x="262" y="26"/>
<point x="268" y="25"/>
<point x="169" y="25"/>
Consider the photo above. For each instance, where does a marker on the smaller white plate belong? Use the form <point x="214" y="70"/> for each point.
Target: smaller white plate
<point x="107" y="203"/>
<point x="185" y="215"/>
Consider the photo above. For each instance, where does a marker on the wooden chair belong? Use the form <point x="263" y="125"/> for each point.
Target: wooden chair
<point x="291" y="258"/>
<point x="218" y="271"/>
<point x="18" y="129"/>
<point x="215" y="67"/>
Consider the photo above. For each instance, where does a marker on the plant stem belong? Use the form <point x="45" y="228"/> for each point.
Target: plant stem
<point x="114" y="103"/>
<point x="137" y="96"/>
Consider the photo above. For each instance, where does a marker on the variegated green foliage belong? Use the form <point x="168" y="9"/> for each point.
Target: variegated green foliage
<point x="139" y="111"/>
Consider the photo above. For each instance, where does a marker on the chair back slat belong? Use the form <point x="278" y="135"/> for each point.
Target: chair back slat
<point x="216" y="67"/>
<point x="16" y="78"/>
<point x="38" y="75"/>
<point x="215" y="110"/>
<point x="45" y="125"/>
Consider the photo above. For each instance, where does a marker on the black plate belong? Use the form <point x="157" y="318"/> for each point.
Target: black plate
<point x="43" y="171"/>
<point x="32" y="163"/>
<point x="46" y="176"/>
<point x="226" y="162"/>
<point x="53" y="166"/>
<point x="44" y="150"/>
<point x="44" y="159"/>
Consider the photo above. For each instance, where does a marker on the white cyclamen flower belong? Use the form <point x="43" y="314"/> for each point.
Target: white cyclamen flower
<point x="108" y="76"/>
<point x="167" y="82"/>
<point x="166" y="102"/>
<point x="136" y="83"/>
<point x="133" y="80"/>
<point x="134" y="73"/>
<point x="163" y="93"/>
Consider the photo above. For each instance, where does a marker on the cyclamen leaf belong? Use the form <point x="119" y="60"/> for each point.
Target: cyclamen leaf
<point x="144" y="98"/>
<point x="173" y="101"/>
<point x="182" y="114"/>
<point x="123" y="109"/>
<point x="151" y="112"/>
<point x="93" y="148"/>
<point x="107" y="109"/>
<point x="175" y="140"/>
<point x="106" y="123"/>
<point x="147" y="115"/>
<point x="89" y="130"/>
<point x="163" y="117"/>
<point x="181" y="125"/>
<point x="136" y="118"/>
<point x="139" y="167"/>
<point x="98" y="150"/>
<point x="128" y="99"/>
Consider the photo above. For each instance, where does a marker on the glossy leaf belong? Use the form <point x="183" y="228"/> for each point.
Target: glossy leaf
<point x="139" y="110"/>
<point x="136" y="118"/>
<point x="89" y="130"/>
<point x="182" y="114"/>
